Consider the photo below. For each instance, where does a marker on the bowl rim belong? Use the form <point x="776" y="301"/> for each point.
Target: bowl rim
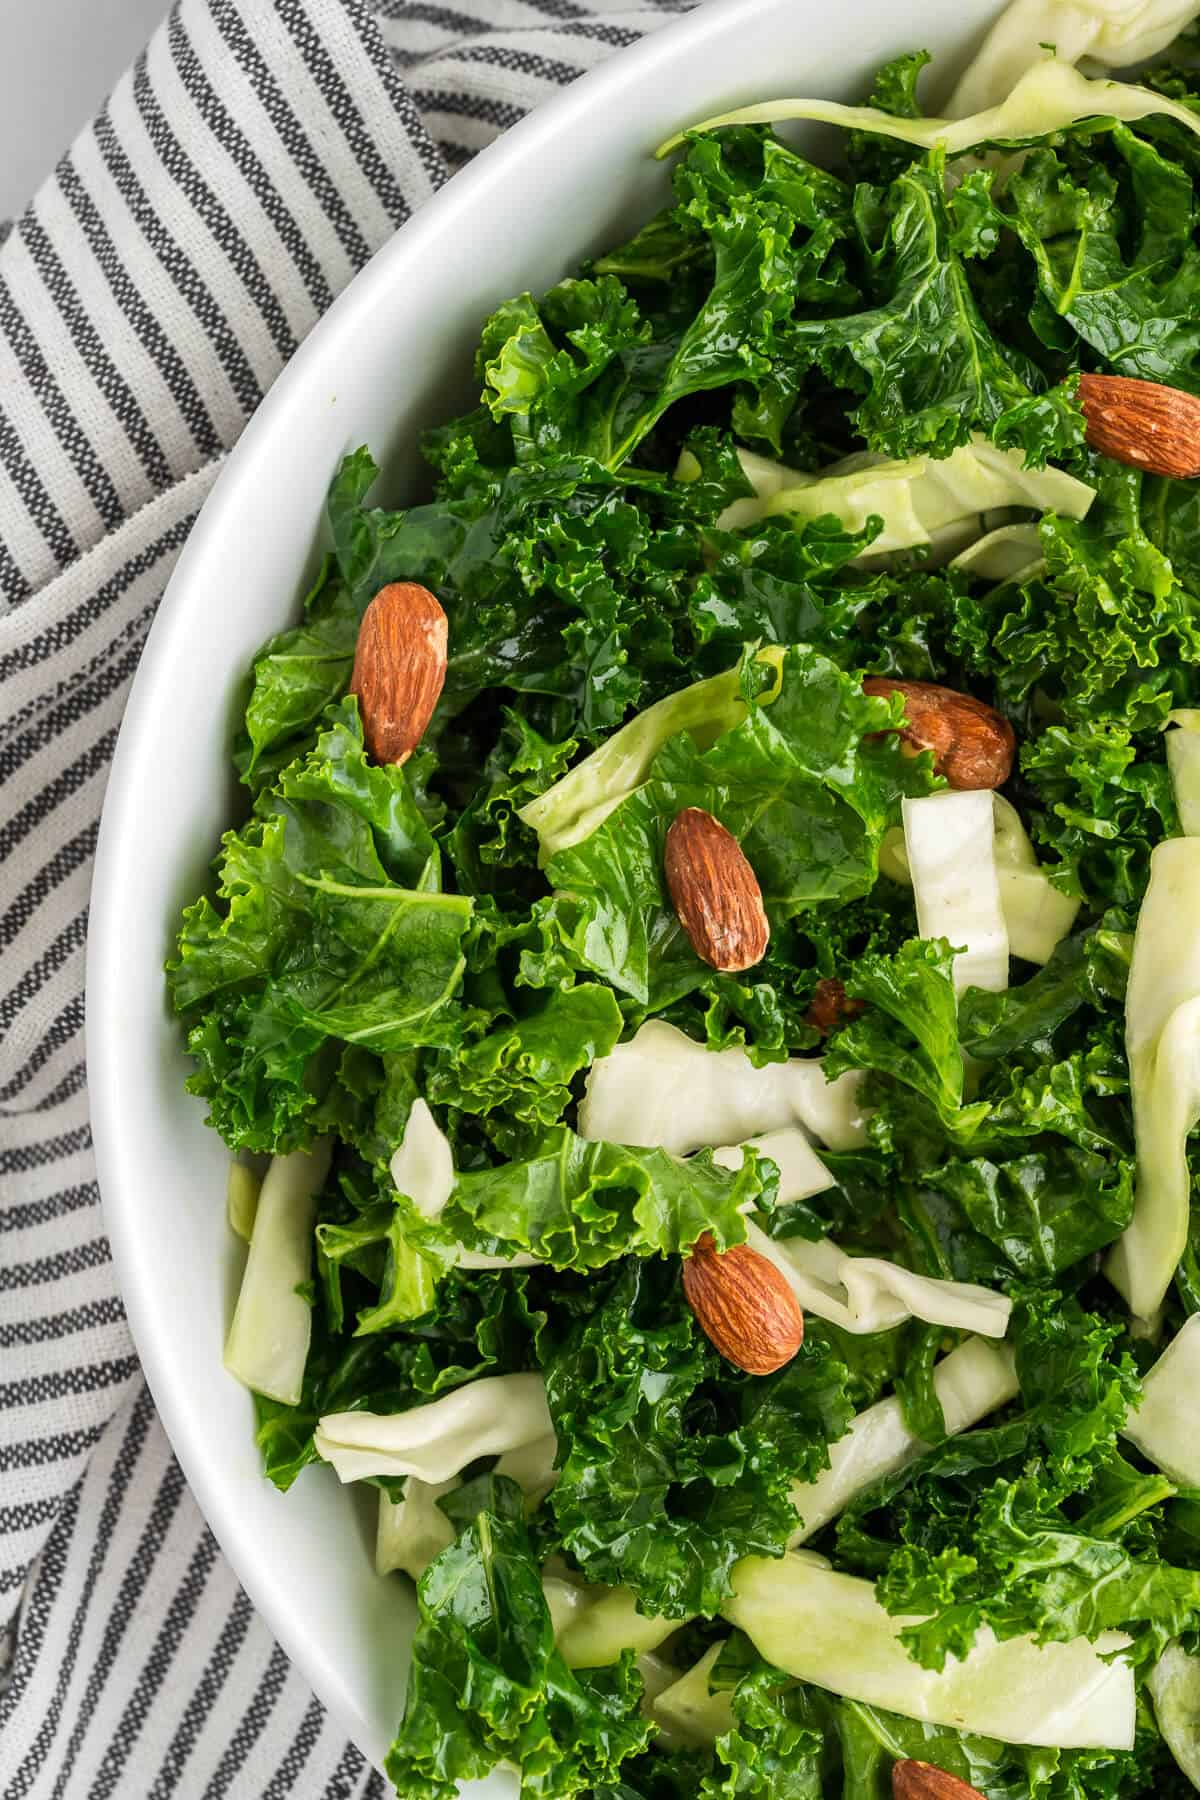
<point x="113" y="1130"/>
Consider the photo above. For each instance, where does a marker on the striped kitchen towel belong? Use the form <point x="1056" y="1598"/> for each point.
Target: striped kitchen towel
<point x="244" y="169"/>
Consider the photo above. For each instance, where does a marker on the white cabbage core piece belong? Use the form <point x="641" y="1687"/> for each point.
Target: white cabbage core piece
<point x="970" y="1383"/>
<point x="1115" y="34"/>
<point x="1162" y="1041"/>
<point x="268" y="1340"/>
<point x="1048" y="97"/>
<point x="829" y="1629"/>
<point x="1166" y="1425"/>
<point x="866" y="1294"/>
<point x="434" y="1442"/>
<point x="949" y="843"/>
<point x="921" y="500"/>
<point x="663" y="1090"/>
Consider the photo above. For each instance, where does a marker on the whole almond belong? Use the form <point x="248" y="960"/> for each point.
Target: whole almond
<point x="973" y="745"/>
<point x="1143" y="423"/>
<point x="832" y="1006"/>
<point x="743" y="1306"/>
<point x="921" y="1781"/>
<point x="399" y="668"/>
<point x="715" y="892"/>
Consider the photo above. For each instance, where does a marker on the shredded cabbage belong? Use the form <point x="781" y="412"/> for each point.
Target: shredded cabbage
<point x="436" y="1441"/>
<point x="423" y="1170"/>
<point x="569" y="1600"/>
<point x="918" y="499"/>
<point x="866" y="1294"/>
<point x="686" y="1710"/>
<point x="663" y="1089"/>
<point x="949" y="843"/>
<point x="1115" y="34"/>
<point x="1037" y="915"/>
<point x="1166" y="1424"/>
<point x="1047" y="98"/>
<point x="801" y="1171"/>
<point x="571" y="810"/>
<point x="565" y="1598"/>
<point x="1162" y="1040"/>
<point x="268" y="1340"/>
<point x="1010" y="553"/>
<point x="657" y="1676"/>
<point x="531" y="1466"/>
<point x="413" y="1530"/>
<point x="423" y="1167"/>
<point x="970" y="1383"/>
<point x="613" y="1624"/>
<point x="241" y="1199"/>
<point x="829" y="1629"/>
<point x="1183" y="760"/>
<point x="1174" y="1686"/>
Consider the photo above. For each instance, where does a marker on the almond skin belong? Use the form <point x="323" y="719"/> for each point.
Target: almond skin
<point x="921" y="1781"/>
<point x="973" y="745"/>
<point x="399" y="668"/>
<point x="715" y="892"/>
<point x="832" y="1006"/>
<point x="1142" y="423"/>
<point x="743" y="1306"/>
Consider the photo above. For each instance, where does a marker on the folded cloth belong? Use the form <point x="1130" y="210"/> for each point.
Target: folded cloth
<point x="244" y="169"/>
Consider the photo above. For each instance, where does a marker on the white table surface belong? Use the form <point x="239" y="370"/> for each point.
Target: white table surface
<point x="58" y="60"/>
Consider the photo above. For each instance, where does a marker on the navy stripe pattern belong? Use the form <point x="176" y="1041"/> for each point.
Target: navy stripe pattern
<point x="250" y="163"/>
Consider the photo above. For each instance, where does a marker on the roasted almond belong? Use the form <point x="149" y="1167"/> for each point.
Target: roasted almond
<point x="831" y="1006"/>
<point x="921" y="1781"/>
<point x="743" y="1306"/>
<point x="973" y="745"/>
<point x="1142" y="423"/>
<point x="399" y="668"/>
<point x="715" y="892"/>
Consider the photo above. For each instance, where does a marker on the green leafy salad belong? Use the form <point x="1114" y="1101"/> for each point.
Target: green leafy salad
<point x="705" y="1000"/>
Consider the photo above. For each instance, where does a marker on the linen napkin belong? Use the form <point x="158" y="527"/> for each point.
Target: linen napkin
<point x="243" y="170"/>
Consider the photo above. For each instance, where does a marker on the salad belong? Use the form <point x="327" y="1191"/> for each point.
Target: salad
<point x="705" y="1001"/>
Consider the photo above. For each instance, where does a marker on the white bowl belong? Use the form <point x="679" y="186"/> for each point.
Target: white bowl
<point x="393" y="355"/>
